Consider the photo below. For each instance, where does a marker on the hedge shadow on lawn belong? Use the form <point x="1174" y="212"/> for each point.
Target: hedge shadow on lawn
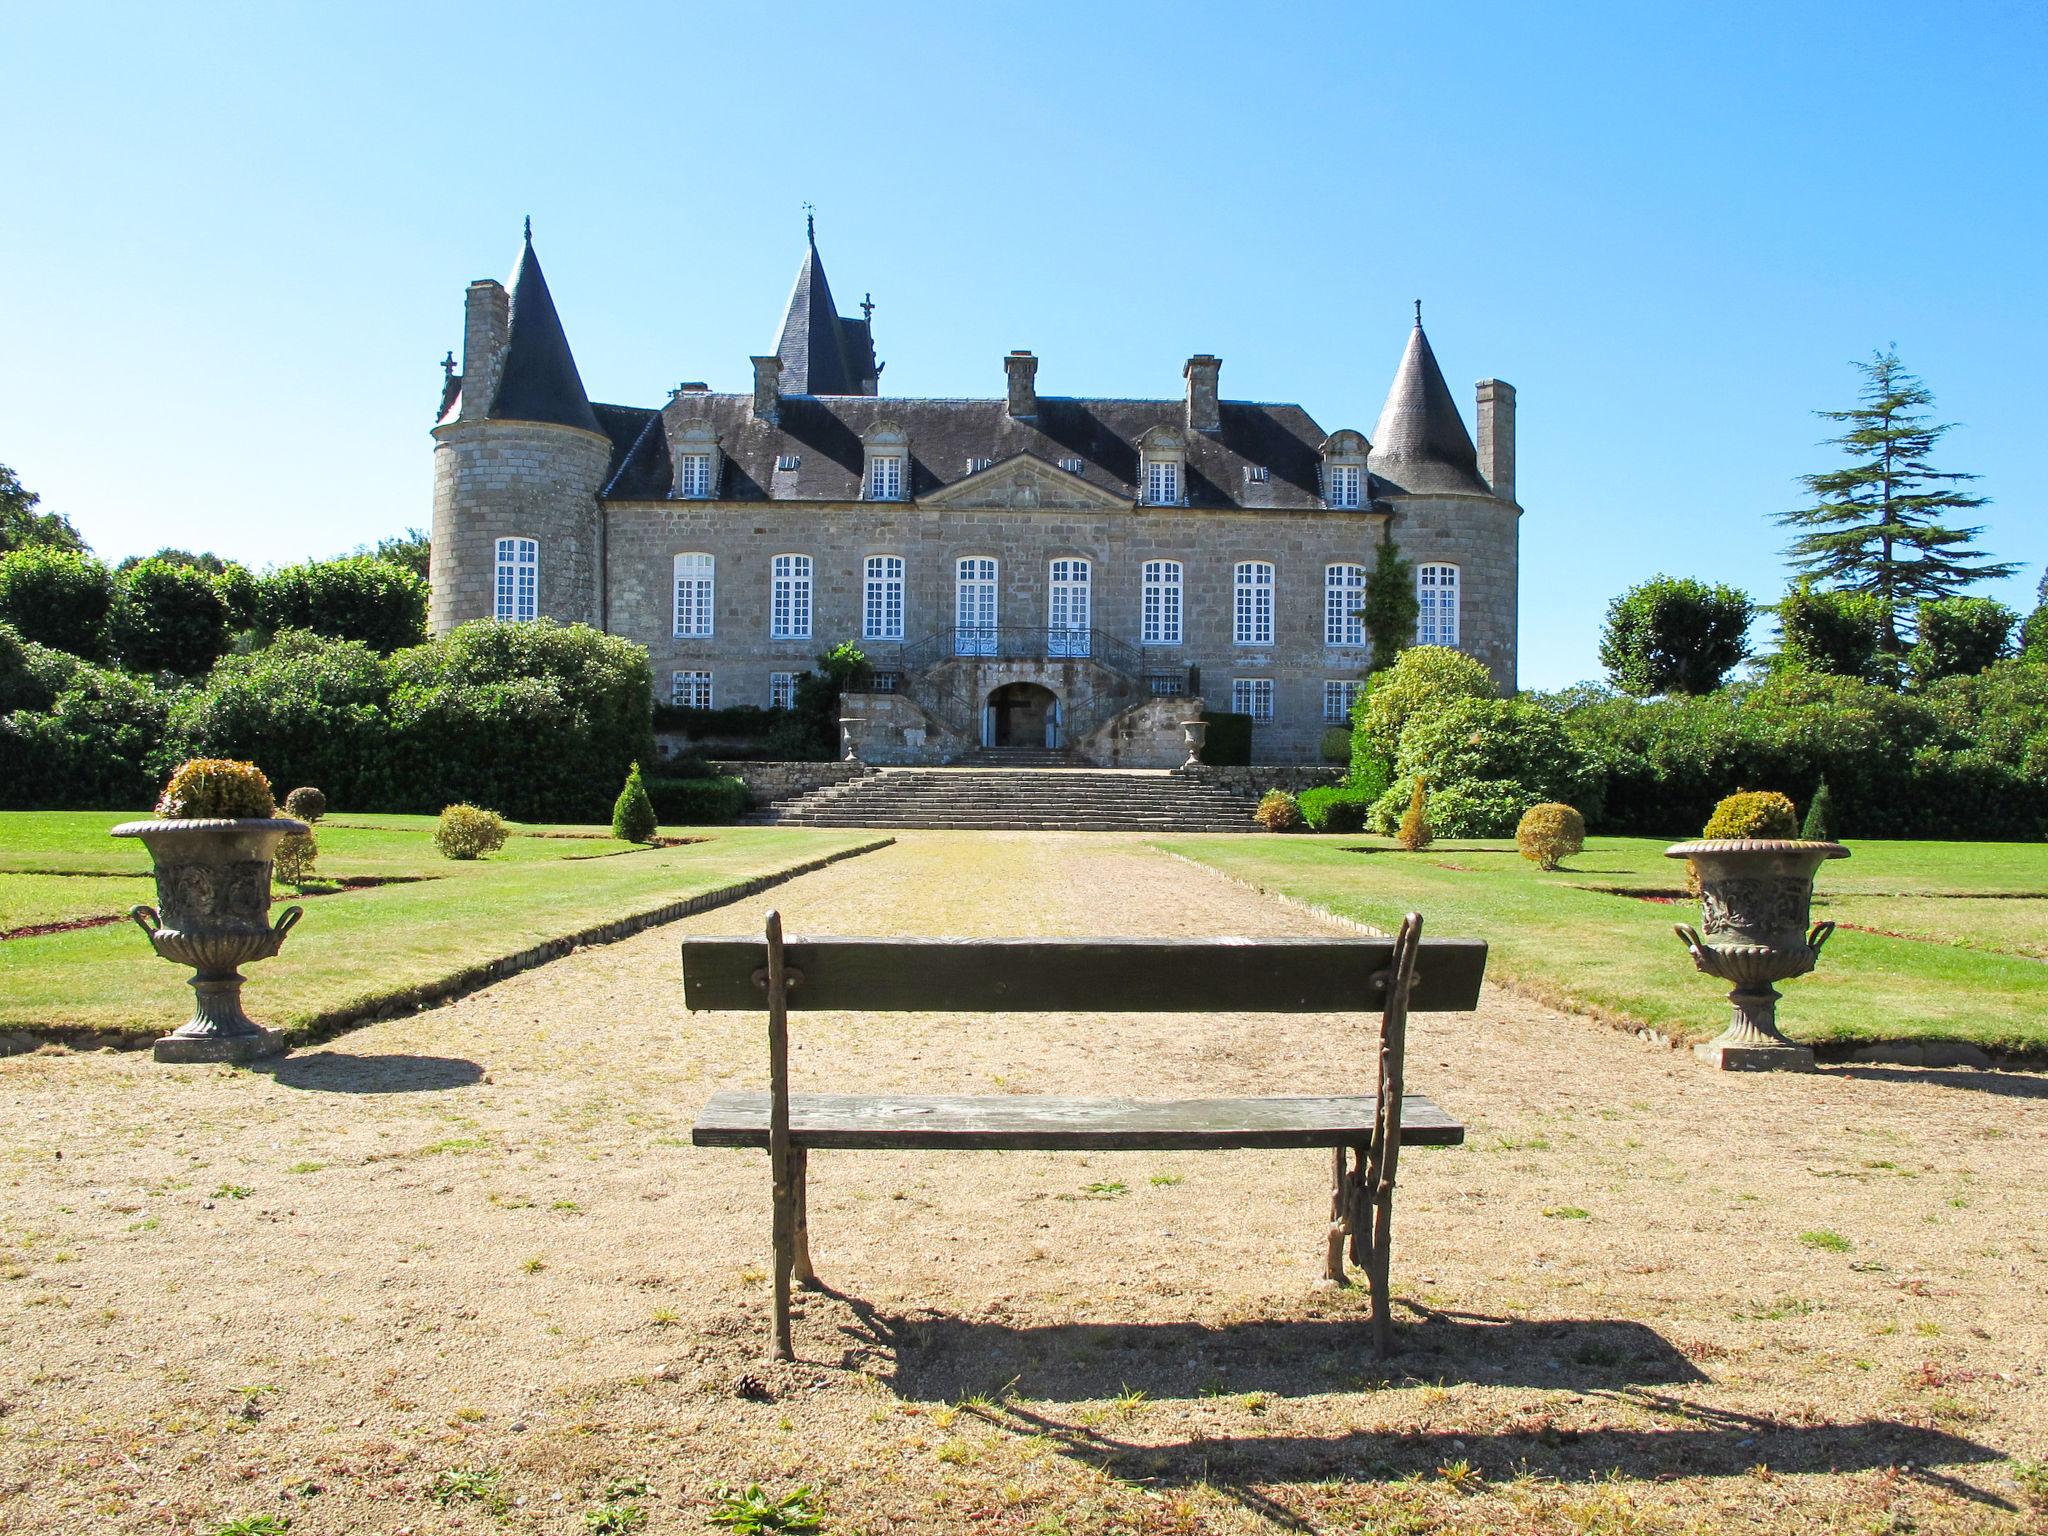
<point x="337" y="1072"/>
<point x="2018" y="1083"/>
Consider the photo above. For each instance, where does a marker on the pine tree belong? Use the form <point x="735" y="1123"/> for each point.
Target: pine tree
<point x="633" y="813"/>
<point x="1874" y="524"/>
<point x="1819" y="826"/>
<point x="1391" y="606"/>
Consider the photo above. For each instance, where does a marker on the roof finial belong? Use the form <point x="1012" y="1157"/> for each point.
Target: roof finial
<point x="810" y="225"/>
<point x="867" y="307"/>
<point x="448" y="365"/>
<point x="1418" y="314"/>
<point x="529" y="229"/>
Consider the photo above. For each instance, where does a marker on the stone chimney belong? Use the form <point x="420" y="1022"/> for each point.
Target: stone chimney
<point x="768" y="389"/>
<point x="1497" y="436"/>
<point x="1022" y="369"/>
<point x="1205" y="413"/>
<point x="486" y="323"/>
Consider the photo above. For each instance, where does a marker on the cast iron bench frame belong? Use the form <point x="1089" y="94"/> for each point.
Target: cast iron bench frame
<point x="1364" y="1133"/>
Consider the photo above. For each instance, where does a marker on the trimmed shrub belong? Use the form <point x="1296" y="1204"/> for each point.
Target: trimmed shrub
<point x="1828" y="631"/>
<point x="306" y="803"/>
<point x="100" y="744"/>
<point x="1423" y="680"/>
<point x="1336" y="744"/>
<point x="633" y="813"/>
<point x="707" y="802"/>
<point x="31" y="675"/>
<point x="1278" y="812"/>
<point x="1486" y="761"/>
<point x="1338" y="809"/>
<point x="1675" y="635"/>
<point x="1228" y="743"/>
<point x="1416" y="833"/>
<point x="1753" y="813"/>
<point x="359" y="597"/>
<point x="167" y="617"/>
<point x="296" y="854"/>
<point x="1548" y="834"/>
<point x="469" y="832"/>
<point x="57" y="598"/>
<point x="206" y="788"/>
<point x="1959" y="636"/>
<point x="1820" y="817"/>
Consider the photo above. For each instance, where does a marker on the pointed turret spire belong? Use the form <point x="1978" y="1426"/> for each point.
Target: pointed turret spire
<point x="539" y="381"/>
<point x="1421" y="443"/>
<point x="822" y="353"/>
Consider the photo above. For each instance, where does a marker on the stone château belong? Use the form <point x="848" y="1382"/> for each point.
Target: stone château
<point x="1024" y="571"/>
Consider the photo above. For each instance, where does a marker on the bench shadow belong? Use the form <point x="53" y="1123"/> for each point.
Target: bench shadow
<point x="2010" y="1084"/>
<point x="335" y="1072"/>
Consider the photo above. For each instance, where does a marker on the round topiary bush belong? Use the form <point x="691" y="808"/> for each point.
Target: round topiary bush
<point x="216" y="788"/>
<point x="1753" y="813"/>
<point x="1279" y="812"/>
<point x="306" y="803"/>
<point x="1549" y="834"/>
<point x="469" y="832"/>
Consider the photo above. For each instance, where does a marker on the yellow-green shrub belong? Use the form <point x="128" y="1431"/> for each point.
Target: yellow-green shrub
<point x="1549" y="834"/>
<point x="296" y="853"/>
<point x="1753" y="813"/>
<point x="1415" y="830"/>
<point x="469" y="832"/>
<point x="1278" y="812"/>
<point x="216" y="788"/>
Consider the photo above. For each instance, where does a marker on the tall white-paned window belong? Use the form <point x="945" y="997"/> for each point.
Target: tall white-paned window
<point x="518" y="585"/>
<point x="1252" y="696"/>
<point x="1338" y="695"/>
<point x="1436" y="589"/>
<point x="1069" y="609"/>
<point x="882" y="599"/>
<point x="974" y="607"/>
<point x="1347" y="485"/>
<point x="782" y="690"/>
<point x="1343" y="596"/>
<point x="1254" y="608"/>
<point x="694" y="577"/>
<point x="885" y="477"/>
<point x="789" y="599"/>
<point x="1162" y="483"/>
<point x="1160" y="620"/>
<point x="693" y="475"/>
<point x="690" y="690"/>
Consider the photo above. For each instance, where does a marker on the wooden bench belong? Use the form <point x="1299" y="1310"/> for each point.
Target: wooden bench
<point x="1365" y="1132"/>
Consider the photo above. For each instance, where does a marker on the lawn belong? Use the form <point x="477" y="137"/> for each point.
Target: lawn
<point x="357" y="949"/>
<point x="1960" y="930"/>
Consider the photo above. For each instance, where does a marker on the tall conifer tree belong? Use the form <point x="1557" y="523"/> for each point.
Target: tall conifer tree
<point x="1874" y="525"/>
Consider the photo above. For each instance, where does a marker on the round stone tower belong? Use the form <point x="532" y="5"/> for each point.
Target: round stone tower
<point x="519" y="460"/>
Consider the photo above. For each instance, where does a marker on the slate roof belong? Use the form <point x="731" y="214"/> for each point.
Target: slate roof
<point x="824" y="436"/>
<point x="539" y="381"/>
<point x="1420" y="444"/>
<point x="822" y="353"/>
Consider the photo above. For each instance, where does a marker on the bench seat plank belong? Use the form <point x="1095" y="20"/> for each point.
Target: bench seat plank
<point x="926" y="1122"/>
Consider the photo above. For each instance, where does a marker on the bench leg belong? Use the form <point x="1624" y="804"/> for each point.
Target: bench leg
<point x="799" y="1174"/>
<point x="1340" y="1202"/>
<point x="785" y="1242"/>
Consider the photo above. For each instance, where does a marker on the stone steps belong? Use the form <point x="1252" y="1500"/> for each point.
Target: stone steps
<point x="978" y="798"/>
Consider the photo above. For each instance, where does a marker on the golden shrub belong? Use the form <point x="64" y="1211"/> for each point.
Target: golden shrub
<point x="216" y="788"/>
<point x="1550" y="833"/>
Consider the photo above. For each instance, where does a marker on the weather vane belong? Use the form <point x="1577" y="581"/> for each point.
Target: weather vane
<point x="448" y="365"/>
<point x="810" y="224"/>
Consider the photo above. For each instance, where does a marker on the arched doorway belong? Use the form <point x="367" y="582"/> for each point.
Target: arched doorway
<point x="1023" y="715"/>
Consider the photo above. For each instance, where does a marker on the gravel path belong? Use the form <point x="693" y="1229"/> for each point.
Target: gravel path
<point x="479" y="1239"/>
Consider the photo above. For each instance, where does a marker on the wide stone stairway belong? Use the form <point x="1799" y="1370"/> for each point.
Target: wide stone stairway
<point x="1012" y="799"/>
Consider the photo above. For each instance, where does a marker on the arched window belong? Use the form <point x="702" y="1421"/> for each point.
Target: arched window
<point x="882" y="599"/>
<point x="789" y="601"/>
<point x="1436" y="589"/>
<point x="1068" y="609"/>
<point x="1254" y="607"/>
<point x="974" y="607"/>
<point x="1343" y="596"/>
<point x="694" y="577"/>
<point x="1160" y="621"/>
<point x="518" y="583"/>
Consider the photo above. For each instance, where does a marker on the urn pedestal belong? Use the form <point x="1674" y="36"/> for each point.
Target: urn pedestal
<point x="1756" y="903"/>
<point x="213" y="914"/>
<point x="851" y="729"/>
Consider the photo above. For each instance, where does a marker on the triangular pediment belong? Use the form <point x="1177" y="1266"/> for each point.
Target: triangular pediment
<point x="1024" y="481"/>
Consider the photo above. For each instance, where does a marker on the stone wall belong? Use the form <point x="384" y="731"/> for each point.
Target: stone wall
<point x="1256" y="779"/>
<point x="770" y="782"/>
<point x="1147" y="735"/>
<point x="1480" y="536"/>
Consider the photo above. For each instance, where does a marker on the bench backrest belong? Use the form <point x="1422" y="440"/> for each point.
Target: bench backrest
<point x="1083" y="975"/>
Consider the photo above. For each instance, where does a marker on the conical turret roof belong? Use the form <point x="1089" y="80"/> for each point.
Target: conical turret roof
<point x="1421" y="443"/>
<point x="539" y="381"/>
<point x="818" y="356"/>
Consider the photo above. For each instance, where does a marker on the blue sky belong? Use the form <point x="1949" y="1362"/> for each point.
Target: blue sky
<point x="240" y="237"/>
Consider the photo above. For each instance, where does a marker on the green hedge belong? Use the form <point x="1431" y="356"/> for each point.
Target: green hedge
<point x="1338" y="809"/>
<point x="1228" y="743"/>
<point x="697" y="802"/>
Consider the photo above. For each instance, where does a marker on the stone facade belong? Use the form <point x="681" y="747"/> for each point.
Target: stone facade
<point x="515" y="479"/>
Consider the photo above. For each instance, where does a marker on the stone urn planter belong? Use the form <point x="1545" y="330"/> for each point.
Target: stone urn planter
<point x="1756" y="905"/>
<point x="213" y="914"/>
<point x="1197" y="732"/>
<point x="851" y="729"/>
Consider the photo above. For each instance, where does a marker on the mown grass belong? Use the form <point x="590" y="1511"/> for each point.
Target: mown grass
<point x="1562" y="938"/>
<point x="357" y="949"/>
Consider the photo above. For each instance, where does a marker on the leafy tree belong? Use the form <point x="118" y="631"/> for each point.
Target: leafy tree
<point x="57" y="597"/>
<point x="99" y="745"/>
<point x="2034" y="633"/>
<point x="205" y="561"/>
<point x="167" y="618"/>
<point x="412" y="549"/>
<point x="1423" y="680"/>
<point x="23" y="527"/>
<point x="1838" y="632"/>
<point x="1391" y="606"/>
<point x="1959" y="636"/>
<point x="242" y="592"/>
<point x="358" y="597"/>
<point x="1874" y="525"/>
<point x="1675" y="635"/>
<point x="31" y="675"/>
<point x="1486" y="761"/>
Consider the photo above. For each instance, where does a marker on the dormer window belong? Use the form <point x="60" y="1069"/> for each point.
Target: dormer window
<point x="1073" y="466"/>
<point x="1162" y="483"/>
<point x="1344" y="485"/>
<point x="786" y="463"/>
<point x="693" y="475"/>
<point x="976" y="466"/>
<point x="697" y="460"/>
<point x="1257" y="474"/>
<point x="1163" y="454"/>
<point x="887" y="473"/>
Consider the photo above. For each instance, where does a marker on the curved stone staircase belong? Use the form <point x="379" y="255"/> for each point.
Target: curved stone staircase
<point x="1064" y="799"/>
